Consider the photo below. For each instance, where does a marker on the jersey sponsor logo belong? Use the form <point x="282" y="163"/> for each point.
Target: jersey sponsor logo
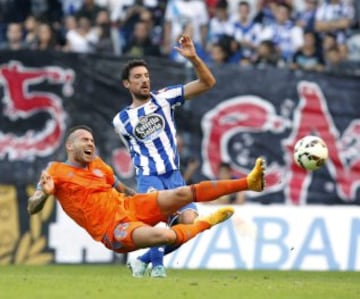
<point x="149" y="127"/>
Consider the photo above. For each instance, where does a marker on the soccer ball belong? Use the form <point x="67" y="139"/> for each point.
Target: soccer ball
<point x="310" y="152"/>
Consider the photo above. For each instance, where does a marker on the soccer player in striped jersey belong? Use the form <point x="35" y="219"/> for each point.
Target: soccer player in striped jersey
<point x="147" y="127"/>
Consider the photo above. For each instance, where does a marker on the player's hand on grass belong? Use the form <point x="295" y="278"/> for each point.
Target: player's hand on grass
<point x="47" y="183"/>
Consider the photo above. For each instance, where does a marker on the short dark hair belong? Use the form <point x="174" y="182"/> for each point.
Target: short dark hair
<point x="78" y="127"/>
<point x="222" y="4"/>
<point x="224" y="164"/>
<point x="130" y="65"/>
<point x="287" y="6"/>
<point x="244" y="3"/>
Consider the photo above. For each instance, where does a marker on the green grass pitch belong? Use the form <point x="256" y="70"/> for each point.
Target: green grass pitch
<point x="114" y="281"/>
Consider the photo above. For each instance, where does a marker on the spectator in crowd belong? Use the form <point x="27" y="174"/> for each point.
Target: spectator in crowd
<point x="266" y="11"/>
<point x="105" y="43"/>
<point x="225" y="51"/>
<point x="140" y="43"/>
<point x="83" y="39"/>
<point x="280" y="21"/>
<point x="130" y="16"/>
<point x="121" y="11"/>
<point x="306" y="18"/>
<point x="221" y="23"/>
<point x="70" y="7"/>
<point x="287" y="37"/>
<point x="336" y="17"/>
<point x="246" y="32"/>
<point x="155" y="33"/>
<point x="328" y="41"/>
<point x="31" y="28"/>
<point x="54" y="13"/>
<point x="219" y="54"/>
<point x="69" y="23"/>
<point x="225" y="173"/>
<point x="309" y="57"/>
<point x="333" y="59"/>
<point x="89" y="9"/>
<point x="211" y="7"/>
<point x="353" y="45"/>
<point x="45" y="38"/>
<point x="14" y="35"/>
<point x="267" y="56"/>
<point x="233" y="7"/>
<point x="183" y="12"/>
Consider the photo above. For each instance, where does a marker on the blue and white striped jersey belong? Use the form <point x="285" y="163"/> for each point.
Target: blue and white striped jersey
<point x="150" y="133"/>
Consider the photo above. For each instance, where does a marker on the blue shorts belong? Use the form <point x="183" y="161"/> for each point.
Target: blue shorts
<point x="171" y="180"/>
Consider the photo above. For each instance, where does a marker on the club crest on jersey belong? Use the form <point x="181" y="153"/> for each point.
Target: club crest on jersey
<point x="98" y="173"/>
<point x="120" y="231"/>
<point x="149" y="127"/>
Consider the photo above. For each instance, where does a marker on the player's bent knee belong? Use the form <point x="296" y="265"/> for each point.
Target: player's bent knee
<point x="187" y="217"/>
<point x="169" y="237"/>
<point x="183" y="193"/>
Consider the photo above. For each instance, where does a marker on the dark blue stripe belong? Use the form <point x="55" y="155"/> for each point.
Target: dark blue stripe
<point x="171" y="138"/>
<point x="179" y="99"/>
<point x="143" y="150"/>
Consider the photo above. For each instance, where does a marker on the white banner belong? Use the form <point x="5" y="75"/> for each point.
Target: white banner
<point x="276" y="237"/>
<point x="256" y="237"/>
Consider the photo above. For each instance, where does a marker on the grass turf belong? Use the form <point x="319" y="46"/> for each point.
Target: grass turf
<point x="114" y="281"/>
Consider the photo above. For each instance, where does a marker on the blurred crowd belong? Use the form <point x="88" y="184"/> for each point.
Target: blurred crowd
<point x="311" y="35"/>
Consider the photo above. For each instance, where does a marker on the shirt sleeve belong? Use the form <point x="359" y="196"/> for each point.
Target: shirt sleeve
<point x="118" y="125"/>
<point x="174" y="95"/>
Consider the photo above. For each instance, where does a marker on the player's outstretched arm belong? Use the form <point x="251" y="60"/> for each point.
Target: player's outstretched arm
<point x="37" y="200"/>
<point x="205" y="79"/>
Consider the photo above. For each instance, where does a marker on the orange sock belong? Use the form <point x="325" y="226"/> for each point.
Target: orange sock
<point x="211" y="190"/>
<point x="185" y="232"/>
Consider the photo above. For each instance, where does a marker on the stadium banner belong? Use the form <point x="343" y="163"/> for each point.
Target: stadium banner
<point x="249" y="113"/>
<point x="278" y="237"/>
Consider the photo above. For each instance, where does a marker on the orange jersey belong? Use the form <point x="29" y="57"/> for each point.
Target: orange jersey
<point x="87" y="195"/>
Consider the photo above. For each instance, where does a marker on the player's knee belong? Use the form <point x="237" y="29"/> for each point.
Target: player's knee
<point x="187" y="217"/>
<point x="167" y="237"/>
<point x="183" y="194"/>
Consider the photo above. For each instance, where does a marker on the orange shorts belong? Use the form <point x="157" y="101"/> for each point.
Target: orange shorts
<point x="141" y="210"/>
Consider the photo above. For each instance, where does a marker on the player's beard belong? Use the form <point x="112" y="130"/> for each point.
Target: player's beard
<point x="82" y="158"/>
<point x="141" y="96"/>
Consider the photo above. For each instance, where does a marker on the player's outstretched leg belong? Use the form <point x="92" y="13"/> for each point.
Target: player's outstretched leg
<point x="211" y="190"/>
<point x="220" y="215"/>
<point x="255" y="179"/>
<point x="185" y="232"/>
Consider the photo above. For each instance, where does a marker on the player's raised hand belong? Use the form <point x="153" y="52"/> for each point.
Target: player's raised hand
<point x="47" y="183"/>
<point x="186" y="48"/>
